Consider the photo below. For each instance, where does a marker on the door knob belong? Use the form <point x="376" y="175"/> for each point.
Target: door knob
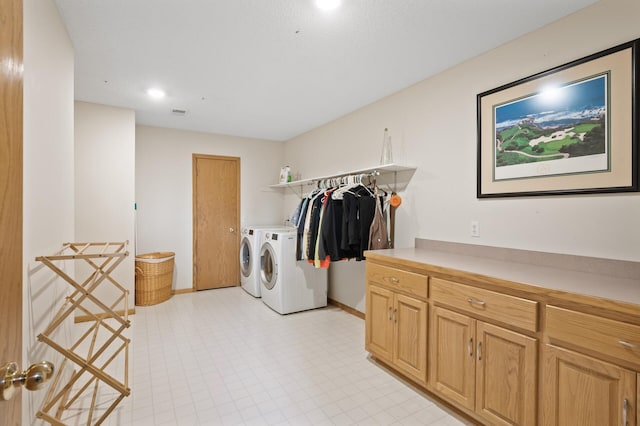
<point x="232" y="230"/>
<point x="33" y="378"/>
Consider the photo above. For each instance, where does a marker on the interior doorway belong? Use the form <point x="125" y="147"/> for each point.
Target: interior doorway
<point x="216" y="219"/>
<point x="11" y="184"/>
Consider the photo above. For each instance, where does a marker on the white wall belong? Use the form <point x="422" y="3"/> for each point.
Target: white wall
<point x="433" y="127"/>
<point x="48" y="179"/>
<point x="104" y="187"/>
<point x="164" y="188"/>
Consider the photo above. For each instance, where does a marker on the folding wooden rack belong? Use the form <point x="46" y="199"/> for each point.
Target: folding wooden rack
<point x="92" y="389"/>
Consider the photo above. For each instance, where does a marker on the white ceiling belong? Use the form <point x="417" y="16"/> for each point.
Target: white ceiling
<point x="274" y="69"/>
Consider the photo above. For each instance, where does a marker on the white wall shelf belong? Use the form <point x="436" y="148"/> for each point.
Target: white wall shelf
<point x="380" y="170"/>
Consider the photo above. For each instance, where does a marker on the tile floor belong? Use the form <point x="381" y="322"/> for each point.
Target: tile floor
<point x="221" y="357"/>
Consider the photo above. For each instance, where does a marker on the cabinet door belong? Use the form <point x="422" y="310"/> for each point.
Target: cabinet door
<point x="452" y="370"/>
<point x="378" y="322"/>
<point x="506" y="376"/>
<point x="410" y="342"/>
<point x="583" y="391"/>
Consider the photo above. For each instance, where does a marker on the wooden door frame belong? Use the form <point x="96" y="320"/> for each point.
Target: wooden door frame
<point x="194" y="159"/>
<point x="11" y="187"/>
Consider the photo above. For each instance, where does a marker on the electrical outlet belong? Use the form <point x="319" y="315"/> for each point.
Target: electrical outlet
<point x="475" y="228"/>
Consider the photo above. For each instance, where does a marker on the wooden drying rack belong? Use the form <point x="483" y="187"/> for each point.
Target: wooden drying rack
<point x="104" y="337"/>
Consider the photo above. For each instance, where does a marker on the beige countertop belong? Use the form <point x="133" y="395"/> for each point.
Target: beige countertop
<point x="624" y="288"/>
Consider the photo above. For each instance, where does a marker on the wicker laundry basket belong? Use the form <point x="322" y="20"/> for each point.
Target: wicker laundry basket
<point x="154" y="277"/>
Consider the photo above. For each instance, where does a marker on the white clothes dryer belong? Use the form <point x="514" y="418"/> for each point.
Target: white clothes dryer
<point x="288" y="285"/>
<point x="251" y="238"/>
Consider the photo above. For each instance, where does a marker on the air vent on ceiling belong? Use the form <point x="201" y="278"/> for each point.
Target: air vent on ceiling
<point x="178" y="111"/>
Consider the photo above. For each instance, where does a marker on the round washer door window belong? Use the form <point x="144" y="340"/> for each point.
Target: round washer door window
<point x="246" y="263"/>
<point x="268" y="266"/>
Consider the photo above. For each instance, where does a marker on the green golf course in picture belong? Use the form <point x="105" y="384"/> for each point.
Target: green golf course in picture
<point x="565" y="122"/>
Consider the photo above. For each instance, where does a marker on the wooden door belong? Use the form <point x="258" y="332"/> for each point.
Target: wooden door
<point x="582" y="391"/>
<point x="638" y="399"/>
<point x="506" y="373"/>
<point x="216" y="219"/>
<point x="410" y="340"/>
<point x="11" y="84"/>
<point x="378" y="322"/>
<point x="452" y="370"/>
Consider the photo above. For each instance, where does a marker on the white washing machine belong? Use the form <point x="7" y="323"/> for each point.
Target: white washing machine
<point x="250" y="242"/>
<point x="288" y="285"/>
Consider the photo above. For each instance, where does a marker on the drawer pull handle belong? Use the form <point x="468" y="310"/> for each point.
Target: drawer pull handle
<point x="629" y="345"/>
<point x="392" y="279"/>
<point x="476" y="302"/>
<point x="479" y="351"/>
<point x="470" y="345"/>
<point x="390" y="313"/>
<point x="395" y="315"/>
<point x="625" y="406"/>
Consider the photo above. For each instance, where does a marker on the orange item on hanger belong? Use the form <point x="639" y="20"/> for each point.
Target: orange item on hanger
<point x="395" y="200"/>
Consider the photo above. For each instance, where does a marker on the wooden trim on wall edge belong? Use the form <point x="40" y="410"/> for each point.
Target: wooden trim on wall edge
<point x="183" y="291"/>
<point x="346" y="308"/>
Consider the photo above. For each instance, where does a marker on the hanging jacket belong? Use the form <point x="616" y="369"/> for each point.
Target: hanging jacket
<point x="378" y="236"/>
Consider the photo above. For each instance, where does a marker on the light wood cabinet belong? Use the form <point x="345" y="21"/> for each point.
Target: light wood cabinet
<point x="590" y="370"/>
<point x="583" y="391"/>
<point x="479" y="302"/>
<point x="396" y="320"/>
<point x="502" y="352"/>
<point x="410" y="337"/>
<point x="485" y="368"/>
<point x="379" y="325"/>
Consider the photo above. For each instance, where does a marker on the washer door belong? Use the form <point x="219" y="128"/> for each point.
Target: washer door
<point x="268" y="266"/>
<point x="246" y="263"/>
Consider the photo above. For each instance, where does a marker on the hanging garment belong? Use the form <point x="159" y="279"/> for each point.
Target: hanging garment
<point x="306" y="237"/>
<point x="312" y="236"/>
<point x="321" y="259"/>
<point x="366" y="212"/>
<point x="296" y="215"/>
<point x="358" y="209"/>
<point x="350" y="238"/>
<point x="300" y="227"/>
<point x="332" y="232"/>
<point x="378" y="236"/>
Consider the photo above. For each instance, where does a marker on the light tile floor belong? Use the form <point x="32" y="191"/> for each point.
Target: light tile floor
<point x="221" y="357"/>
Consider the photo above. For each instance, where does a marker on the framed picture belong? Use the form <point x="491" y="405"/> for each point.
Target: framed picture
<point x="569" y="130"/>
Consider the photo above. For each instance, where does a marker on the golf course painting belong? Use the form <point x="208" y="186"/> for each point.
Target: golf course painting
<point x="561" y="130"/>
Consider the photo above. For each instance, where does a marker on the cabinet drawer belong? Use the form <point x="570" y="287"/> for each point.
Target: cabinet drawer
<point x="610" y="337"/>
<point x="397" y="279"/>
<point x="513" y="310"/>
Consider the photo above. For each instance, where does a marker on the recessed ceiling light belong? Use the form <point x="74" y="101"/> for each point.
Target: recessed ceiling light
<point x="156" y="93"/>
<point x="327" y="4"/>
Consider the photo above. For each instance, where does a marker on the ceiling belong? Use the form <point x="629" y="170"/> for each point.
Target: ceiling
<point x="274" y="69"/>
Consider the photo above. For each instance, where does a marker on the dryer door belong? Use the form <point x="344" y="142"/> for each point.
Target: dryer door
<point x="268" y="266"/>
<point x="246" y="263"/>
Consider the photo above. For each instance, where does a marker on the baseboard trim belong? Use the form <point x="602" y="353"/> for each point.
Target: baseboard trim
<point x="87" y="318"/>
<point x="346" y="308"/>
<point x="182" y="291"/>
